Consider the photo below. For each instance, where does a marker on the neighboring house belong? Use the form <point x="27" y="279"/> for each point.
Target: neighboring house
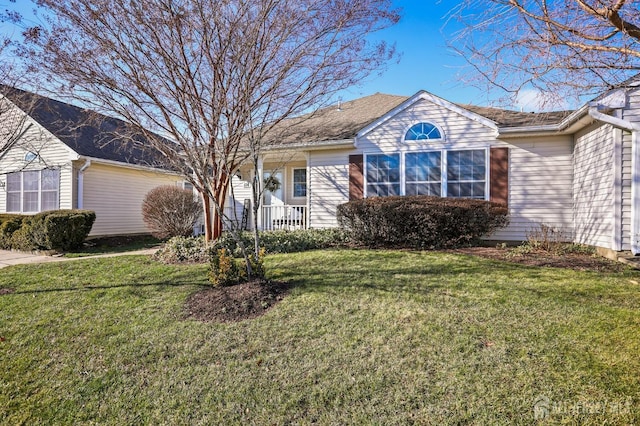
<point x="577" y="172"/>
<point x="69" y="158"/>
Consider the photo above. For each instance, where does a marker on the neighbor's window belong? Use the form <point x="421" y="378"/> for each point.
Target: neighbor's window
<point x="383" y="175"/>
<point x="444" y="173"/>
<point x="422" y="131"/>
<point x="33" y="191"/>
<point x="299" y="182"/>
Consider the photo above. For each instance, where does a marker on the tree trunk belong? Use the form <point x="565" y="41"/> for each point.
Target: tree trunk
<point x="208" y="229"/>
<point x="220" y="197"/>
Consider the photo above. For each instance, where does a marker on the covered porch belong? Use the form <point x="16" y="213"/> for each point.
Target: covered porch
<point x="284" y="180"/>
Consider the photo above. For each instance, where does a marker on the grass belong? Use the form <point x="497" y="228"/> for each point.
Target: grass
<point x="109" y="245"/>
<point x="365" y="337"/>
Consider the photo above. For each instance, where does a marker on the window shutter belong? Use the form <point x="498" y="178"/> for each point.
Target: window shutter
<point x="499" y="175"/>
<point x="356" y="177"/>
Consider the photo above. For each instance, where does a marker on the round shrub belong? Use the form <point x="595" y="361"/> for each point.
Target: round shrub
<point x="184" y="250"/>
<point x="170" y="211"/>
<point x="421" y="222"/>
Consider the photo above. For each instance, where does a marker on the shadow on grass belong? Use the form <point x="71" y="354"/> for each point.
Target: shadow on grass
<point x="108" y="287"/>
<point x="424" y="273"/>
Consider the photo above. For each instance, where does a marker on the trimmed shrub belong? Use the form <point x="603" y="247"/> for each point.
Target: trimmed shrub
<point x="50" y="230"/>
<point x="421" y="222"/>
<point x="67" y="230"/>
<point x="225" y="270"/>
<point x="183" y="250"/>
<point x="9" y="223"/>
<point x="283" y="241"/>
<point x="170" y="211"/>
<point x="194" y="250"/>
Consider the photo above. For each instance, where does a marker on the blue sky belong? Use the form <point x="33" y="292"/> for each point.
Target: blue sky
<point x="425" y="61"/>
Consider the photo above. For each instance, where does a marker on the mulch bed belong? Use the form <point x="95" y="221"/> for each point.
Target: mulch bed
<point x="6" y="291"/>
<point x="575" y="261"/>
<point x="235" y="303"/>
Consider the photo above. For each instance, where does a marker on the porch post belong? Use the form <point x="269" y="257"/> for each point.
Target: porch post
<point x="616" y="237"/>
<point x="259" y="185"/>
<point x="635" y="194"/>
<point x="308" y="209"/>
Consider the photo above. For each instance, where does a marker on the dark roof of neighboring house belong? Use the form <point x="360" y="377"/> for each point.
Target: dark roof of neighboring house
<point x="86" y="132"/>
<point x="344" y="120"/>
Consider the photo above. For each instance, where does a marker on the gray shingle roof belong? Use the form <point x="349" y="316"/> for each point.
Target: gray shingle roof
<point x="339" y="121"/>
<point x="509" y="118"/>
<point x="345" y="120"/>
<point x="87" y="133"/>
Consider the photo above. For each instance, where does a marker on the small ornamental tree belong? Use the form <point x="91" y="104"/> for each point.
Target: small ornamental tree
<point x="170" y="211"/>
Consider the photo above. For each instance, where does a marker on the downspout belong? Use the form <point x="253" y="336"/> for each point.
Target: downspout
<point x="594" y="111"/>
<point x="84" y="167"/>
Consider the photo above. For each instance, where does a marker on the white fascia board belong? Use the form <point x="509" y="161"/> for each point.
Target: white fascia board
<point x="313" y="146"/>
<point x="577" y="119"/>
<point x="95" y="160"/>
<point x="423" y="95"/>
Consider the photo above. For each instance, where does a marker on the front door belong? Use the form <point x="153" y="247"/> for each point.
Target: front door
<point x="273" y="196"/>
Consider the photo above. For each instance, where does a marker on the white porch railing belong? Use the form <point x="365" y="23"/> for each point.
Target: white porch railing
<point x="289" y="217"/>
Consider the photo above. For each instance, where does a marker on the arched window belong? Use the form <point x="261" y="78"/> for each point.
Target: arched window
<point x="423" y="131"/>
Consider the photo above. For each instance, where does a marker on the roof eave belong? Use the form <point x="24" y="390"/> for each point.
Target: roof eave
<point x="314" y="146"/>
<point x="128" y="165"/>
<point x="570" y="124"/>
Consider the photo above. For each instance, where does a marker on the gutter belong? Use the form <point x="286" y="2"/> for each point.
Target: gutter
<point x="565" y="125"/>
<point x="84" y="167"/>
<point x="595" y="111"/>
<point x="312" y="146"/>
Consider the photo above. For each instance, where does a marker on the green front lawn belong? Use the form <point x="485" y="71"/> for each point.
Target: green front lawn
<point x="365" y="337"/>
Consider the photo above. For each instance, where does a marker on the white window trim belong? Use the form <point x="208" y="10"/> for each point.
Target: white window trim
<point x="40" y="190"/>
<point x="443" y="166"/>
<point x="442" y="139"/>
<point x="293" y="183"/>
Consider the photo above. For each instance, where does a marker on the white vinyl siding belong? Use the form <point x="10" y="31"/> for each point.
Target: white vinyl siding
<point x="540" y="187"/>
<point x="234" y="207"/>
<point x="329" y="186"/>
<point x="593" y="186"/>
<point x="631" y="113"/>
<point x="116" y="194"/>
<point x="51" y="153"/>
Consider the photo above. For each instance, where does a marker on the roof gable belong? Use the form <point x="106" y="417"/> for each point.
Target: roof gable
<point x="85" y="132"/>
<point x="425" y="96"/>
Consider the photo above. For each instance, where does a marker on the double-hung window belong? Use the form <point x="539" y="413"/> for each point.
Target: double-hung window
<point x="383" y="175"/>
<point x="444" y="173"/>
<point x="466" y="173"/>
<point x="299" y="182"/>
<point x="423" y="173"/>
<point x="33" y="191"/>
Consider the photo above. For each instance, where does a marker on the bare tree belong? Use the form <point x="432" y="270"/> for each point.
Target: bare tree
<point x="560" y="48"/>
<point x="16" y="130"/>
<point x="203" y="73"/>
